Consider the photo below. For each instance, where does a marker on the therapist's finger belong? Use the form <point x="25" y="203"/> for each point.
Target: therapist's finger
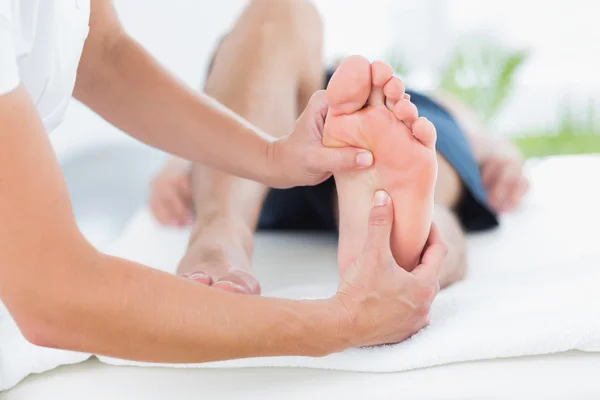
<point x="430" y="268"/>
<point x="344" y="159"/>
<point x="317" y="108"/>
<point x="377" y="252"/>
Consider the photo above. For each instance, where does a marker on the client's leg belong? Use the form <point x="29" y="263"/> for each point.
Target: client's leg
<point x="449" y="191"/>
<point x="262" y="70"/>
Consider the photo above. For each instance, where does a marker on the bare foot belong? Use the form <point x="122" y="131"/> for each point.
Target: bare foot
<point x="220" y="256"/>
<point x="368" y="108"/>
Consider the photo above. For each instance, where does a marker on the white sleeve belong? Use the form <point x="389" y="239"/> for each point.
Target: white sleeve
<point x="9" y="71"/>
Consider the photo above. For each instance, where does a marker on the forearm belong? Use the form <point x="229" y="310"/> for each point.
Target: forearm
<point x="113" y="307"/>
<point x="128" y="88"/>
<point x="63" y="293"/>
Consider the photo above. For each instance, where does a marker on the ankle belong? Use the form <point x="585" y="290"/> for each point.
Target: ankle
<point x="230" y="229"/>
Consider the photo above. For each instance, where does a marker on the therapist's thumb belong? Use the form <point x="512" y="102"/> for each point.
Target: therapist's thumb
<point x="380" y="229"/>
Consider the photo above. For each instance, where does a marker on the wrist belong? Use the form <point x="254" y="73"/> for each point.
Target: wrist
<point x="325" y="332"/>
<point x="274" y="170"/>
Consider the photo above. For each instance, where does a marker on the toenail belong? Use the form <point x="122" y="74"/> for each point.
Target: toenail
<point x="381" y="198"/>
<point x="235" y="286"/>
<point x="196" y="275"/>
<point x="364" y="159"/>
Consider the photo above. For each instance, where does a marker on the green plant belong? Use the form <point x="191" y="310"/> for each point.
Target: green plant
<point x="481" y="73"/>
<point x="573" y="134"/>
<point x="398" y="63"/>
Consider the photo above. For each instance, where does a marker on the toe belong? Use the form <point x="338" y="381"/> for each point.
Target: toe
<point x="424" y="131"/>
<point x="198" y="277"/>
<point x="350" y="86"/>
<point x="406" y="112"/>
<point x="239" y="282"/>
<point x="231" y="287"/>
<point x="381" y="73"/>
<point x="394" y="92"/>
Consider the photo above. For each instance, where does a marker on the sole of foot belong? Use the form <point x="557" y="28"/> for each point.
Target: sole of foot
<point x="368" y="108"/>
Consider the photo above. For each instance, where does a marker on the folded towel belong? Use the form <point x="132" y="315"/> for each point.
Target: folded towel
<point x="19" y="358"/>
<point x="531" y="288"/>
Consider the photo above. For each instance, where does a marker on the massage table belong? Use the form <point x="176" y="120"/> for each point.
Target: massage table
<point x="562" y="210"/>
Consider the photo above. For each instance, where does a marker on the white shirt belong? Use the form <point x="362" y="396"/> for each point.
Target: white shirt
<point x="41" y="42"/>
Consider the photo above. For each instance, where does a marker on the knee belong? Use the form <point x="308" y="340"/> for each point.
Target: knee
<point x="298" y="16"/>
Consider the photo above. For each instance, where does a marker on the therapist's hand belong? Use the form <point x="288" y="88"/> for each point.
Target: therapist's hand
<point x="301" y="159"/>
<point x="381" y="302"/>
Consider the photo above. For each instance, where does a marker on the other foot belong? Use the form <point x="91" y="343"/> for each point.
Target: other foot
<point x="219" y="256"/>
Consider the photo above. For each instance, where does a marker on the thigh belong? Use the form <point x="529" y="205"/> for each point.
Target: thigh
<point x="300" y="208"/>
<point x="449" y="189"/>
<point x="459" y="185"/>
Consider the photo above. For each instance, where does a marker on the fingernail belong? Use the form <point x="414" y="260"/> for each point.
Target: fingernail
<point x="364" y="158"/>
<point x="381" y="198"/>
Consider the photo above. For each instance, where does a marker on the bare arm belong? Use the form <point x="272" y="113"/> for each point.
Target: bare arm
<point x="63" y="293"/>
<point x="120" y="81"/>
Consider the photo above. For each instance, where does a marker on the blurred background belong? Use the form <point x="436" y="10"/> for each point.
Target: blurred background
<point x="527" y="68"/>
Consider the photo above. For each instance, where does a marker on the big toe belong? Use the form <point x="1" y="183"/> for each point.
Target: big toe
<point x="350" y="86"/>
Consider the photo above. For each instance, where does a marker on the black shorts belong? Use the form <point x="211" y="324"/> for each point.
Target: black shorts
<point x="312" y="208"/>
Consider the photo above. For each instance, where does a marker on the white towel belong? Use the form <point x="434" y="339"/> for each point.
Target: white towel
<point x="532" y="286"/>
<point x="19" y="358"/>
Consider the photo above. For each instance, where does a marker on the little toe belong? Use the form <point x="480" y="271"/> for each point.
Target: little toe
<point x="424" y="131"/>
<point x="350" y="86"/>
<point x="381" y="74"/>
<point x="394" y="92"/>
<point x="406" y="112"/>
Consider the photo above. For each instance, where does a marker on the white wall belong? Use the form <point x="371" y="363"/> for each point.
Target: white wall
<point x="563" y="39"/>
